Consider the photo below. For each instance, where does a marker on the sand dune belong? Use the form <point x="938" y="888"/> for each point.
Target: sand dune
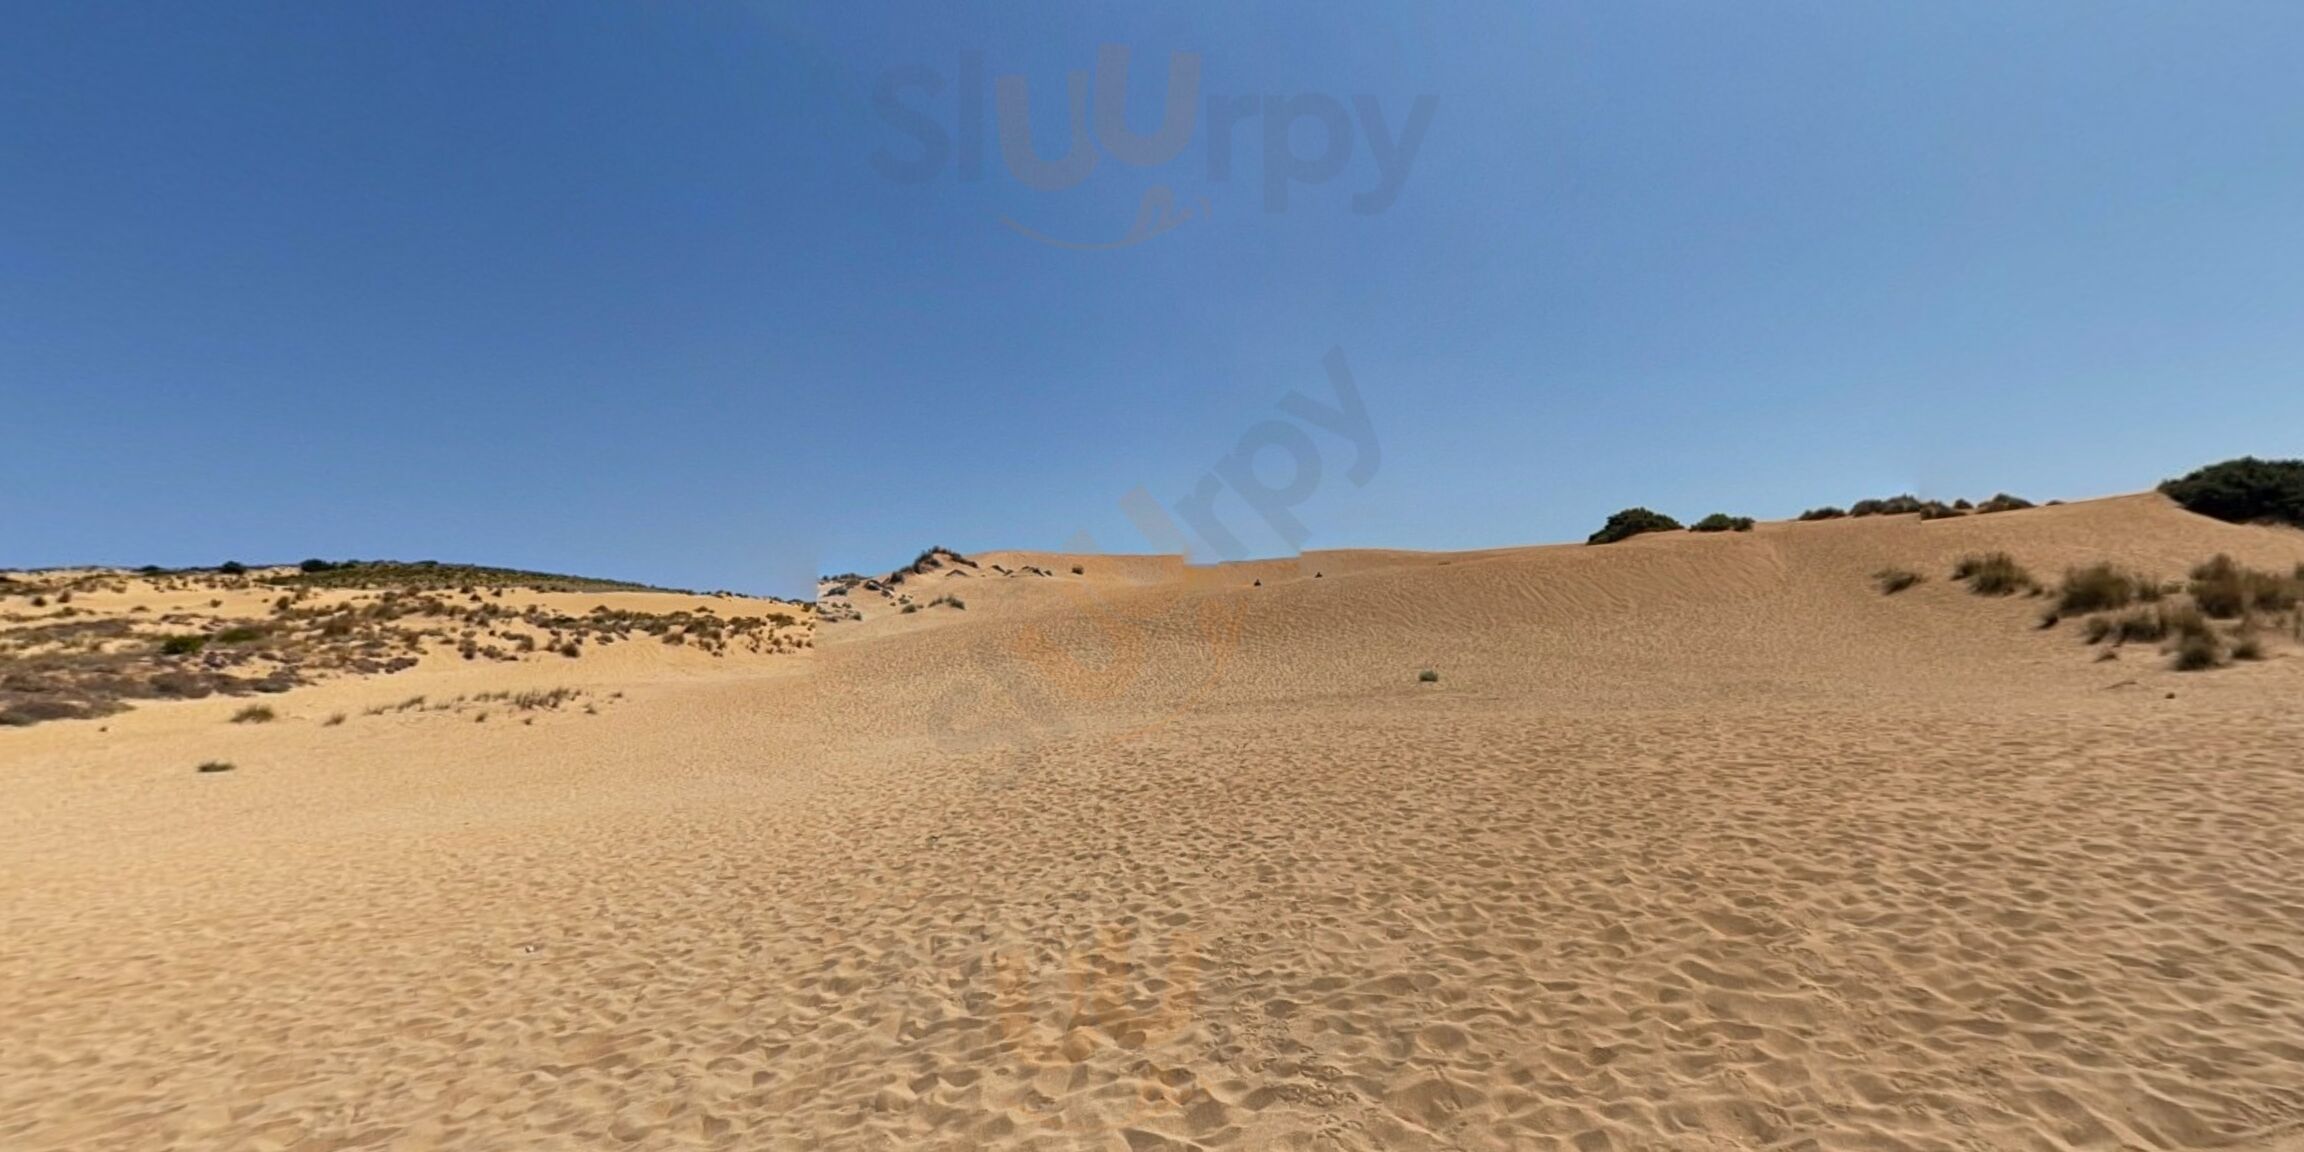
<point x="1697" y="842"/>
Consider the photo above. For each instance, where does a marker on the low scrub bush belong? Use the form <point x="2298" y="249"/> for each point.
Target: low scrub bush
<point x="1892" y="506"/>
<point x="1825" y="513"/>
<point x="1633" y="522"/>
<point x="1722" y="522"/>
<point x="255" y="714"/>
<point x="2199" y="653"/>
<point x="2003" y="502"/>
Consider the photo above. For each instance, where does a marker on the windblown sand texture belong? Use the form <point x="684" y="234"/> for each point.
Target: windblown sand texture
<point x="1698" y="842"/>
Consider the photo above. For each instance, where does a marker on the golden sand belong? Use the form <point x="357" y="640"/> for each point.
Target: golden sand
<point x="1697" y="842"/>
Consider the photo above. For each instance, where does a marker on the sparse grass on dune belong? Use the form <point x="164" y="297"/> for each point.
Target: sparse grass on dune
<point x="1993" y="574"/>
<point x="2226" y="590"/>
<point x="2198" y="653"/>
<point x="2126" y="607"/>
<point x="1894" y="580"/>
<point x="2102" y="588"/>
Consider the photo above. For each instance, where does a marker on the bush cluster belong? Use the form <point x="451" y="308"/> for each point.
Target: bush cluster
<point x="2244" y="491"/>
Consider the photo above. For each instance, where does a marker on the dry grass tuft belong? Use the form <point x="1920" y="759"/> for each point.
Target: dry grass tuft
<point x="1894" y="580"/>
<point x="1994" y="574"/>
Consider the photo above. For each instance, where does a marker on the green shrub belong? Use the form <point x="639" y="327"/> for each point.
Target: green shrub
<point x="1825" y="513"/>
<point x="1428" y="676"/>
<point x="1722" y="522"/>
<point x="2244" y="491"/>
<point x="2003" y="502"/>
<point x="316" y="566"/>
<point x="182" y="645"/>
<point x="1894" y="580"/>
<point x="1892" y="506"/>
<point x="1993" y="574"/>
<point x="1938" y="510"/>
<point x="232" y="568"/>
<point x="1633" y="522"/>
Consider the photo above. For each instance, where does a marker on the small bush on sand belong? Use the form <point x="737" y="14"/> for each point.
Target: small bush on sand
<point x="1633" y="522"/>
<point x="1938" y="510"/>
<point x="2248" y="646"/>
<point x="2199" y="653"/>
<point x="333" y="720"/>
<point x="1427" y="676"/>
<point x="255" y="714"/>
<point x="1894" y="580"/>
<point x="239" y="635"/>
<point x="182" y="645"/>
<point x="2244" y="491"/>
<point x="2004" y="503"/>
<point x="1824" y="513"/>
<point x="2228" y="591"/>
<point x="215" y="766"/>
<point x="2097" y="630"/>
<point x="232" y="568"/>
<point x="1722" y="522"/>
<point x="1993" y="574"/>
<point x="2097" y="588"/>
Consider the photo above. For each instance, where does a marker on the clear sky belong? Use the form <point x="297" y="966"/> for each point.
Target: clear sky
<point x="723" y="295"/>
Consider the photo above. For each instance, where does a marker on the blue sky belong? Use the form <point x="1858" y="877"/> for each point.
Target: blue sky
<point x="623" y="290"/>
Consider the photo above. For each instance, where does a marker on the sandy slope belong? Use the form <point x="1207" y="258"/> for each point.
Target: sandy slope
<point x="1698" y="842"/>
